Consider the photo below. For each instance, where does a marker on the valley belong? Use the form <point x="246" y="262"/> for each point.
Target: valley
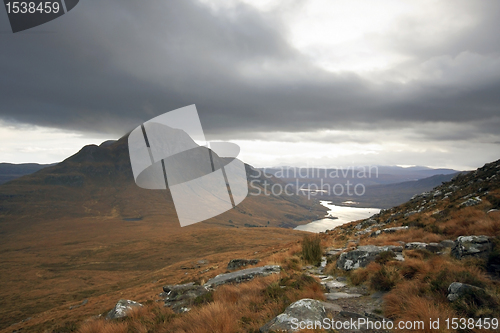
<point x="78" y="236"/>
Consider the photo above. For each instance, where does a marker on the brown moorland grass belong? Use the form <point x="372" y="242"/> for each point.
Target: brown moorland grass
<point x="58" y="264"/>
<point x="235" y="308"/>
<point x="407" y="236"/>
<point x="471" y="221"/>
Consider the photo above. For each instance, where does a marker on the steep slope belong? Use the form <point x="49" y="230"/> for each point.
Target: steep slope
<point x="419" y="252"/>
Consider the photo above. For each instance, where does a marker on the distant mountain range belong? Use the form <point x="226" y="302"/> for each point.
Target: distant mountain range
<point x="9" y="171"/>
<point x="390" y="195"/>
<point x="386" y="186"/>
<point x="98" y="182"/>
<point x="367" y="175"/>
<point x="381" y="186"/>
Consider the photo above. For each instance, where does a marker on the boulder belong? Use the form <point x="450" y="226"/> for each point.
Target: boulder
<point x="432" y="247"/>
<point x="304" y="310"/>
<point x="340" y="295"/>
<point x="237" y="263"/>
<point x="122" y="309"/>
<point x="366" y="223"/>
<point x="243" y="275"/>
<point x="364" y="255"/>
<point x="472" y="246"/>
<point x="447" y="243"/>
<point x="180" y="297"/>
<point x="388" y="230"/>
<point x="170" y="287"/>
<point x="457" y="289"/>
<point x="471" y="202"/>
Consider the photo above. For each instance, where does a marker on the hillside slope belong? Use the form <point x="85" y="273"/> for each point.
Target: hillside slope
<point x="83" y="228"/>
<point x="420" y="248"/>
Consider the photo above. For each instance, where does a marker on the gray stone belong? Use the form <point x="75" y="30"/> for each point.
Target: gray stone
<point x="447" y="243"/>
<point x="122" y="309"/>
<point x="432" y="247"/>
<point x="413" y="212"/>
<point x="329" y="285"/>
<point x="394" y="229"/>
<point x="169" y="288"/>
<point x="364" y="255"/>
<point x="366" y="223"/>
<point x="471" y="246"/>
<point x="388" y="231"/>
<point x="471" y="202"/>
<point x="331" y="307"/>
<point x="415" y="246"/>
<point x="307" y="310"/>
<point x="457" y="289"/>
<point x="243" y="275"/>
<point x="180" y="297"/>
<point x="238" y="263"/>
<point x="340" y="295"/>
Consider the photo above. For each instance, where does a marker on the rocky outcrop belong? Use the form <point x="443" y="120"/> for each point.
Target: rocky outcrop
<point x="471" y="202"/>
<point x="243" y="275"/>
<point x="432" y="247"/>
<point x="457" y="289"/>
<point x="122" y="309"/>
<point x="180" y="297"/>
<point x="364" y="255"/>
<point x="472" y="246"/>
<point x="238" y="263"/>
<point x="305" y="310"/>
<point x="447" y="243"/>
<point x="388" y="231"/>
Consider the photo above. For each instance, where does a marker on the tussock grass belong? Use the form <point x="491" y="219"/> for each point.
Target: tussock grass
<point x="240" y="307"/>
<point x="311" y="249"/>
<point x="101" y="326"/>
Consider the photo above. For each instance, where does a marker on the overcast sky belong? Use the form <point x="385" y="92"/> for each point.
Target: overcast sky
<point x="293" y="82"/>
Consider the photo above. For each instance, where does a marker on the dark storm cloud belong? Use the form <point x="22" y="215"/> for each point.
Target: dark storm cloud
<point x="108" y="66"/>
